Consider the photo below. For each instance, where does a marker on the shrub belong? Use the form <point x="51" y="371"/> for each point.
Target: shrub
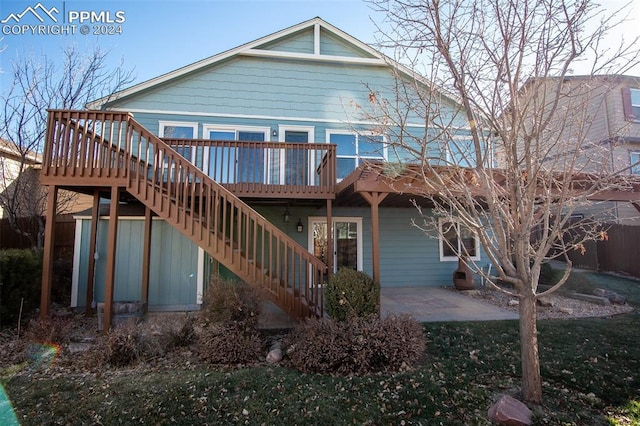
<point x="20" y="275"/>
<point x="359" y="345"/>
<point x="229" y="335"/>
<point x="231" y="301"/>
<point x="129" y="344"/>
<point x="55" y="330"/>
<point x="579" y="282"/>
<point x="230" y="343"/>
<point x="352" y="293"/>
<point x="181" y="336"/>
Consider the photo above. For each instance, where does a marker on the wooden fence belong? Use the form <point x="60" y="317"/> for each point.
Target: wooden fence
<point x="619" y="253"/>
<point x="65" y="234"/>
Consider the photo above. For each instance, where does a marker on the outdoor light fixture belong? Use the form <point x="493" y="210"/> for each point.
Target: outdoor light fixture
<point x="274" y="133"/>
<point x="286" y="217"/>
<point x="299" y="226"/>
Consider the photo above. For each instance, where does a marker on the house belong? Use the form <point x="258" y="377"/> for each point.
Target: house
<point x="23" y="199"/>
<point x="256" y="163"/>
<point x="12" y="165"/>
<point x="597" y="122"/>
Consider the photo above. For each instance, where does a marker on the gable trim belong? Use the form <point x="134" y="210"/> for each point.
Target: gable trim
<point x="313" y="57"/>
<point x="317" y="23"/>
<point x="346" y="121"/>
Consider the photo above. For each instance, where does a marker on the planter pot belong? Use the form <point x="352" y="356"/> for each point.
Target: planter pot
<point x="463" y="278"/>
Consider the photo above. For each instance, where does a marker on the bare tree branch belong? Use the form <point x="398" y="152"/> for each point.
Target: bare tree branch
<point x="500" y="135"/>
<point x="37" y="85"/>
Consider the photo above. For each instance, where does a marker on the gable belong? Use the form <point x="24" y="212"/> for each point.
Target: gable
<point x="330" y="44"/>
<point x="266" y="86"/>
<point x="311" y="40"/>
<point x="309" y="72"/>
<point x="305" y="42"/>
<point x="301" y="42"/>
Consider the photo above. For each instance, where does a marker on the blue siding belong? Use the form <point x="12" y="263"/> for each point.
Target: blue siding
<point x="301" y="42"/>
<point x="272" y="87"/>
<point x="173" y="267"/>
<point x="269" y="92"/>
<point x="408" y="257"/>
<point x="332" y="45"/>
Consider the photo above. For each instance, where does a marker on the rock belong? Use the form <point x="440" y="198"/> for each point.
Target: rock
<point x="514" y="302"/>
<point x="566" y="310"/>
<point x="274" y="356"/>
<point x="546" y="302"/>
<point x="613" y="297"/>
<point x="509" y="411"/>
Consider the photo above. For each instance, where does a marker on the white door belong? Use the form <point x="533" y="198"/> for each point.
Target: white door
<point x="347" y="241"/>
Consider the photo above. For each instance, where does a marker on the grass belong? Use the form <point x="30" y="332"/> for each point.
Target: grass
<point x="590" y="368"/>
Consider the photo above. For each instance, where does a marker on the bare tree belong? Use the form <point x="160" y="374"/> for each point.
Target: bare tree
<point x="497" y="136"/>
<point x="40" y="83"/>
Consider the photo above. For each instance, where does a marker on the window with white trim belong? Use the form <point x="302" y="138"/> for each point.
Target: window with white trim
<point x="354" y="148"/>
<point x="177" y="130"/>
<point x="634" y="157"/>
<point x="457" y="240"/>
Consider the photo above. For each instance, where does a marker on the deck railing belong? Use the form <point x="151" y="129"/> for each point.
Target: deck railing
<point x="105" y="148"/>
<point x="264" y="169"/>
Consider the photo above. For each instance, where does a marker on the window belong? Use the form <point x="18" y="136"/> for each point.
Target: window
<point x="353" y="149"/>
<point x="457" y="240"/>
<point x="230" y="163"/>
<point x="179" y="130"/>
<point x="631" y="103"/>
<point x="635" y="162"/>
<point x="295" y="166"/>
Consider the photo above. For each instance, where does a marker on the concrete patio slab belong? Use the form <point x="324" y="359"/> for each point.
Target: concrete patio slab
<point x="424" y="304"/>
<point x="432" y="304"/>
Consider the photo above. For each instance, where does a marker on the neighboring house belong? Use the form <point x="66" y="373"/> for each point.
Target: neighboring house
<point x="601" y="114"/>
<point x="23" y="199"/>
<point x="276" y="122"/>
<point x="12" y="165"/>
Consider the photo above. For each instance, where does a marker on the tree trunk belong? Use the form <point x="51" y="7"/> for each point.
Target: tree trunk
<point x="531" y="380"/>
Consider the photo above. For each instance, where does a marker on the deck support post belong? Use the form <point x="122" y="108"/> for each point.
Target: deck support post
<point x="47" y="255"/>
<point x="93" y="241"/>
<point x="111" y="257"/>
<point x="329" y="238"/>
<point x="146" y="255"/>
<point x="374" y="199"/>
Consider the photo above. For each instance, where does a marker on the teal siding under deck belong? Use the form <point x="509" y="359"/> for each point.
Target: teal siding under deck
<point x="408" y="257"/>
<point x="173" y="266"/>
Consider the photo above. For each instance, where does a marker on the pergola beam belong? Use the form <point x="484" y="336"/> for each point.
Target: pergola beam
<point x="374" y="199"/>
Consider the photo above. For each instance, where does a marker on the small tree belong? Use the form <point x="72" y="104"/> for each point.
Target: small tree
<point x="514" y="159"/>
<point x="37" y="85"/>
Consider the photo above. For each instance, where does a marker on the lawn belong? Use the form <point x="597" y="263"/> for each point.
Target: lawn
<point x="590" y="368"/>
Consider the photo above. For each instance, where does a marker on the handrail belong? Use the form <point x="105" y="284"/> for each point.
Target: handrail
<point x="113" y="144"/>
<point x="256" y="168"/>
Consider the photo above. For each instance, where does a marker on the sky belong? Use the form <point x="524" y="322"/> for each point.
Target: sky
<point x="153" y="37"/>
<point x="162" y="35"/>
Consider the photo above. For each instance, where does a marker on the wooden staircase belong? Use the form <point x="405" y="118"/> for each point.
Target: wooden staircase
<point x="99" y="148"/>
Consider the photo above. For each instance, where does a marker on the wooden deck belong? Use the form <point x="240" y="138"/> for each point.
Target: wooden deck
<point x="110" y="152"/>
